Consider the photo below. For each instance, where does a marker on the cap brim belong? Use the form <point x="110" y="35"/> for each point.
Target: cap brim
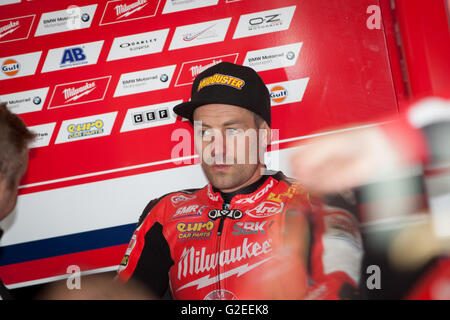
<point x="186" y="109"/>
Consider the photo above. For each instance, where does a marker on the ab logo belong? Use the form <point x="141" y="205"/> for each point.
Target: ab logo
<point x="73" y="55"/>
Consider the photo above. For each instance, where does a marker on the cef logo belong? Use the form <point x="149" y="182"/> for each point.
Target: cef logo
<point x="278" y="94"/>
<point x="10" y="67"/>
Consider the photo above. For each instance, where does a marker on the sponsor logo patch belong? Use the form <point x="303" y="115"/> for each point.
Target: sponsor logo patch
<point x="121" y="11"/>
<point x="199" y="34"/>
<point x="72" y="18"/>
<point x="191" y="69"/>
<point x="25" y="101"/>
<point x="265" y="209"/>
<point x="17" y="28"/>
<point x="273" y="58"/>
<point x="19" y="65"/>
<point x="194" y="230"/>
<point x="221" y="79"/>
<point x="79" y="92"/>
<point x="72" y="57"/>
<point x="264" y="22"/>
<point x="86" y="128"/>
<point x="138" y="45"/>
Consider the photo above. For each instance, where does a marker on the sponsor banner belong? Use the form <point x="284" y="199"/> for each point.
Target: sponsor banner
<point x="72" y="18"/>
<point x="44" y="133"/>
<point x="19" y="65"/>
<point x="5" y="2"/>
<point x="25" y="101"/>
<point x="79" y="55"/>
<point x="189" y="70"/>
<point x="121" y="11"/>
<point x="200" y="33"/>
<point x="182" y="5"/>
<point x="78" y="92"/>
<point x="14" y="29"/>
<point x="287" y="91"/>
<point x="150" y="116"/>
<point x="144" y="81"/>
<point x="138" y="45"/>
<point x="86" y="127"/>
<point x="264" y="22"/>
<point x="273" y="58"/>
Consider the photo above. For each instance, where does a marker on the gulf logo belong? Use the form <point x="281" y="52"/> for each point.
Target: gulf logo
<point x="278" y="94"/>
<point x="10" y="67"/>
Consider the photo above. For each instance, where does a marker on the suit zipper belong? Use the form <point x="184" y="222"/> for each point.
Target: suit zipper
<point x="219" y="234"/>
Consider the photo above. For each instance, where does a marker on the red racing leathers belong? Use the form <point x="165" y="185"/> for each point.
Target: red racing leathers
<point x="271" y="241"/>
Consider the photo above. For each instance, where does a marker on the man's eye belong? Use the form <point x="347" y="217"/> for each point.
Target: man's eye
<point x="232" y="131"/>
<point x="205" y="132"/>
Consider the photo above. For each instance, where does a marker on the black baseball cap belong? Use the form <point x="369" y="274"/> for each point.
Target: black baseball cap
<point x="228" y="83"/>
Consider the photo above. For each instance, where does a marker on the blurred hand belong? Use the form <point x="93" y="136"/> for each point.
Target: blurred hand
<point x="341" y="161"/>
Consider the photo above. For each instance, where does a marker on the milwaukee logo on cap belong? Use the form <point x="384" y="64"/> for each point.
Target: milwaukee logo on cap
<point x="221" y="79"/>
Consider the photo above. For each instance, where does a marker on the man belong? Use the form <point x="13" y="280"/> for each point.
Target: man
<point x="249" y="233"/>
<point x="14" y="140"/>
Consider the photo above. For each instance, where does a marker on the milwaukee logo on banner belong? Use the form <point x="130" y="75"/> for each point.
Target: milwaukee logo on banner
<point x="120" y="11"/>
<point x="15" y="28"/>
<point x="189" y="70"/>
<point x="84" y="91"/>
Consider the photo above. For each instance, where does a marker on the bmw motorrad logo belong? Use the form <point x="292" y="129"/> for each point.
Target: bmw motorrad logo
<point x="85" y="17"/>
<point x="164" y="77"/>
<point x="290" y="55"/>
<point x="37" y="100"/>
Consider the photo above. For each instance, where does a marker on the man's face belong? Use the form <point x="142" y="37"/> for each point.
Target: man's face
<point x="8" y="192"/>
<point x="227" y="141"/>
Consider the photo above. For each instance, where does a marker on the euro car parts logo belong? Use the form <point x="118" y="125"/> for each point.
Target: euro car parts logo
<point x="194" y="230"/>
<point x="86" y="128"/>
<point x="17" y="28"/>
<point x="120" y="11"/>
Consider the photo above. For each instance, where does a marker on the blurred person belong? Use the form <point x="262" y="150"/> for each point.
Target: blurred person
<point x="14" y="141"/>
<point x="355" y="158"/>
<point x="250" y="233"/>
